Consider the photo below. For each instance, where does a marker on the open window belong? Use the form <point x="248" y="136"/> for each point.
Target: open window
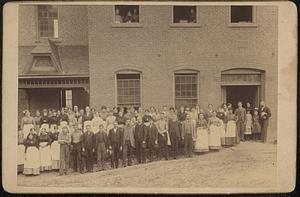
<point x="184" y="14"/>
<point x="128" y="90"/>
<point x="127" y="14"/>
<point x="242" y="14"/>
<point x="47" y="21"/>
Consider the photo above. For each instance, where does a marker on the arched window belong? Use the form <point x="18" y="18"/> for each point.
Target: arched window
<point x="128" y="88"/>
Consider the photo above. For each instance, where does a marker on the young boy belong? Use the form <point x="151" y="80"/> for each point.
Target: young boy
<point x="101" y="145"/>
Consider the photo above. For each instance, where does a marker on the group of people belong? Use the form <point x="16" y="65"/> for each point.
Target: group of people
<point x="85" y="139"/>
<point x="129" y="17"/>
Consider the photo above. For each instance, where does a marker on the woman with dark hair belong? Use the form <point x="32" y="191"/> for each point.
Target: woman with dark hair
<point x="44" y="148"/>
<point x="32" y="155"/>
<point x="27" y="122"/>
<point x="201" y="144"/>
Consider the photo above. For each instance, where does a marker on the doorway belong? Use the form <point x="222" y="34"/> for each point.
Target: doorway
<point x="250" y="94"/>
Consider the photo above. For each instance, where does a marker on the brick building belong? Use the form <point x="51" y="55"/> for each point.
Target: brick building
<point x="144" y="55"/>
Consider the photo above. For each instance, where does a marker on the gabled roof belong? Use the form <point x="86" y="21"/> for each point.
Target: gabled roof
<point x="49" y="59"/>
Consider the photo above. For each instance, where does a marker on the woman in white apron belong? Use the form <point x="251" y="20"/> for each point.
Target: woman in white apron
<point x="55" y="149"/>
<point x="32" y="154"/>
<point x="96" y="122"/>
<point x="215" y="125"/>
<point x="201" y="144"/>
<point x="21" y="151"/>
<point x="230" y="135"/>
<point x="44" y="148"/>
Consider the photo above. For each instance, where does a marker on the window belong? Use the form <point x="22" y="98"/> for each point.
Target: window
<point x="47" y="21"/>
<point x="186" y="89"/>
<point x="127" y="14"/>
<point x="68" y="98"/>
<point x="128" y="90"/>
<point x="241" y="14"/>
<point x="184" y="14"/>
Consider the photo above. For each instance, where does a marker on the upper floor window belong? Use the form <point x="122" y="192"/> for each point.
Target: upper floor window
<point x="47" y="21"/>
<point x="127" y="14"/>
<point x="242" y="14"/>
<point x="184" y="14"/>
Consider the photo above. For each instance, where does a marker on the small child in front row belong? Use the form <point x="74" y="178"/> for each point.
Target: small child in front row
<point x="248" y="130"/>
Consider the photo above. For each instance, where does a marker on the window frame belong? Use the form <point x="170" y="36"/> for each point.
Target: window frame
<point x="68" y="99"/>
<point x="127" y="71"/>
<point x="244" y="24"/>
<point x="187" y="71"/>
<point x="183" y="25"/>
<point x="38" y="37"/>
<point x="126" y="25"/>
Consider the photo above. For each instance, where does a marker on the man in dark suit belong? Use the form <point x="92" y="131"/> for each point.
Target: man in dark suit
<point x="115" y="144"/>
<point x="264" y="114"/>
<point x="151" y="137"/>
<point x="88" y="147"/>
<point x="174" y="130"/>
<point x="140" y="140"/>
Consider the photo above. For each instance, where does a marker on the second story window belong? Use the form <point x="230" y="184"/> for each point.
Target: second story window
<point x="184" y="14"/>
<point x="241" y="14"/>
<point x="127" y="14"/>
<point x="47" y="21"/>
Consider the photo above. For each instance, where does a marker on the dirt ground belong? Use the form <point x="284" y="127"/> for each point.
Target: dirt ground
<point x="250" y="164"/>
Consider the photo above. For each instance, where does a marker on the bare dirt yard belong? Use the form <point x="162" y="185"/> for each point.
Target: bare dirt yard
<point x="250" y="164"/>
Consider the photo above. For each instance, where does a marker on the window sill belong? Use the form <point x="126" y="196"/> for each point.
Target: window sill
<point x="56" y="40"/>
<point x="126" y="25"/>
<point x="243" y="25"/>
<point x="185" y="25"/>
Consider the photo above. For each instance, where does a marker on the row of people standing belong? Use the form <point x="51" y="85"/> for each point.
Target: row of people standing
<point x="214" y="128"/>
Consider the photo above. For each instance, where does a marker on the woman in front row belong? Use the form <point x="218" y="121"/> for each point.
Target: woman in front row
<point x="215" y="126"/>
<point x="230" y="136"/>
<point x="202" y="135"/>
<point x="32" y="155"/>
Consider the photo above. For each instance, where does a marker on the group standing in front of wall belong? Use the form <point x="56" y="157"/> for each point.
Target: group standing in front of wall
<point x="84" y="140"/>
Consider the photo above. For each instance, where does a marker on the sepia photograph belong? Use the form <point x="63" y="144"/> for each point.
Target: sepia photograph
<point x="135" y="95"/>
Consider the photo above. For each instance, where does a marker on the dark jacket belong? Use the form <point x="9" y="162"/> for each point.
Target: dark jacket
<point x="88" y="140"/>
<point x="174" y="129"/>
<point x="139" y="133"/>
<point x="115" y="137"/>
<point x="151" y="132"/>
<point x="267" y="112"/>
<point x="181" y="116"/>
<point x="101" y="137"/>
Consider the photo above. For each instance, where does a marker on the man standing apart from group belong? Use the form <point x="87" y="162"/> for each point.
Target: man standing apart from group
<point x="265" y="114"/>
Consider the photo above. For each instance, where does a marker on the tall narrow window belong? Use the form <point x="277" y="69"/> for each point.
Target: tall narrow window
<point x="68" y="98"/>
<point x="47" y="21"/>
<point x="241" y="14"/>
<point x="128" y="90"/>
<point x="186" y="89"/>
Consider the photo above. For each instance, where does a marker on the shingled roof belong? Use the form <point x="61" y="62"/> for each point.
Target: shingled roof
<point x="67" y="60"/>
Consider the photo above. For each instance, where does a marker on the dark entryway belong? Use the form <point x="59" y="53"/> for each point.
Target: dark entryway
<point x="250" y="94"/>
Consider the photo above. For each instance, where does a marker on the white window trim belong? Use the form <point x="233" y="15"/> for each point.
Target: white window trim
<point x="126" y="25"/>
<point x="38" y="37"/>
<point x="187" y="71"/>
<point x="189" y="25"/>
<point x="244" y="24"/>
<point x="129" y="71"/>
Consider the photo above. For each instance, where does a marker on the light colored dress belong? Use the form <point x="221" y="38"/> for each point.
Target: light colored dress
<point x="215" y="126"/>
<point x="45" y="152"/>
<point x="201" y="144"/>
<point x="110" y="123"/>
<point x="32" y="157"/>
<point x="96" y="122"/>
<point x="248" y="124"/>
<point x="27" y="123"/>
<point x="55" y="151"/>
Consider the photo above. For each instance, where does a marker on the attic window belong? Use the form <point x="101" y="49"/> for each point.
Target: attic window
<point x="184" y="14"/>
<point x="127" y="14"/>
<point x="47" y="21"/>
<point x="242" y="14"/>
